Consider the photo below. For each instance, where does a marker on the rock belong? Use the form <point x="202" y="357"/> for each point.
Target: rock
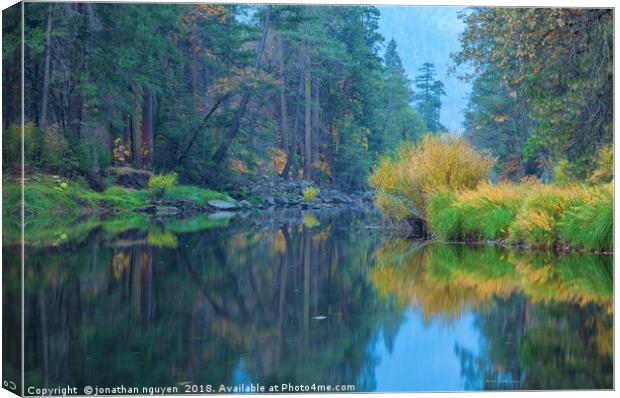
<point x="129" y="177"/>
<point x="222" y="205"/>
<point x="244" y="204"/>
<point x="270" y="201"/>
<point x="281" y="200"/>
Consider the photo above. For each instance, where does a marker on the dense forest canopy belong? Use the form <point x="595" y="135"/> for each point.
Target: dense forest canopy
<point x="221" y="94"/>
<point x="217" y="93"/>
<point x="542" y="94"/>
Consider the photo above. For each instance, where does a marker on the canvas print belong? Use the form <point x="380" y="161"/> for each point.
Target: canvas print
<point x="294" y="198"/>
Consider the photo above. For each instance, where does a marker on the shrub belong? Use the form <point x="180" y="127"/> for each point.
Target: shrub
<point x="311" y="193"/>
<point x="604" y="171"/>
<point x="437" y="163"/>
<point x="159" y="184"/>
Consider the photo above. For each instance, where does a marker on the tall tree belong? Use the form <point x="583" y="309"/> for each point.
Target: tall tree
<point x="429" y="95"/>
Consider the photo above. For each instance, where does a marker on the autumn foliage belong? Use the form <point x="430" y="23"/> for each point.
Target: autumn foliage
<point x="404" y="182"/>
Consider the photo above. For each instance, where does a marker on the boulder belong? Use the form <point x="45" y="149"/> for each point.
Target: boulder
<point x="222" y="205"/>
<point x="129" y="177"/>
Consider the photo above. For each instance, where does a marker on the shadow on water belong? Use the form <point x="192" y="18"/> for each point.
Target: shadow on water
<point x="308" y="297"/>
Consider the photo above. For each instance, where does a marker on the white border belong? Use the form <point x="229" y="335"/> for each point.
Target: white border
<point x="498" y="3"/>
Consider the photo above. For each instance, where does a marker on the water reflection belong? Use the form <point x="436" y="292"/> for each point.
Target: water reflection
<point x="310" y="297"/>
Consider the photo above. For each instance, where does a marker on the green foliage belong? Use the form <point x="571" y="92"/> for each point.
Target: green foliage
<point x="604" y="171"/>
<point x="542" y="91"/>
<point x="160" y="184"/>
<point x="310" y="193"/>
<point x="561" y="173"/>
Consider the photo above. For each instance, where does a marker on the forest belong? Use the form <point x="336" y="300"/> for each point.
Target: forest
<point x="215" y="97"/>
<point x="267" y="193"/>
<point x="216" y="93"/>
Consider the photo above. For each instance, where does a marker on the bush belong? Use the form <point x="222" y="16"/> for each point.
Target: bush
<point x="605" y="165"/>
<point x="311" y="193"/>
<point x="159" y="184"/>
<point x="405" y="182"/>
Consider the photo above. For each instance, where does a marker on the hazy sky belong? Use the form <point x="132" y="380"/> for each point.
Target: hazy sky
<point x="429" y="34"/>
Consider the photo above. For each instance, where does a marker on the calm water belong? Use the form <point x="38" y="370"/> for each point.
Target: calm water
<point x="302" y="298"/>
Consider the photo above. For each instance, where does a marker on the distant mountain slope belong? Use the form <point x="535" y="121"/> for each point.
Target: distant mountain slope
<point x="429" y="34"/>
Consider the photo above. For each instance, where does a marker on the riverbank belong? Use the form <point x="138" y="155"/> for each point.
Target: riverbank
<point x="444" y="184"/>
<point x="52" y="195"/>
<point x="529" y="214"/>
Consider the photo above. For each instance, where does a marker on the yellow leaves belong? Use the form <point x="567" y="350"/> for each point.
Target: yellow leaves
<point x="238" y="165"/>
<point x="437" y="163"/>
<point x="311" y="193"/>
<point x="278" y="159"/>
<point x="121" y="151"/>
<point x="502" y="118"/>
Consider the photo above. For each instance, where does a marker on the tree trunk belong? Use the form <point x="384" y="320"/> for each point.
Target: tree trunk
<point x="308" y="127"/>
<point x="222" y="150"/>
<point x="283" y="109"/>
<point x="316" y="128"/>
<point x="294" y="134"/>
<point x="46" y="70"/>
<point x="147" y="129"/>
<point x="196" y="78"/>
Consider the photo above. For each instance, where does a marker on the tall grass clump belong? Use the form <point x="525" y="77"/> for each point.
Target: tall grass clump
<point x="485" y="213"/>
<point x="404" y="182"/>
<point x="589" y="223"/>
<point x="538" y="221"/>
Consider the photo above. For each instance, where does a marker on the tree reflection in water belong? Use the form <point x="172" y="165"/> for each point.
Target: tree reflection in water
<point x="302" y="298"/>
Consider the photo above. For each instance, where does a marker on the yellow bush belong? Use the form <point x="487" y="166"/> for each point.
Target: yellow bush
<point x="159" y="184"/>
<point x="311" y="193"/>
<point x="437" y="163"/>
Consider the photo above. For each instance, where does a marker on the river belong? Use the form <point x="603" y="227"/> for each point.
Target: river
<point x="307" y="298"/>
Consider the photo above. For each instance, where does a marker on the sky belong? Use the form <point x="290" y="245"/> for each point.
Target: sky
<point x="429" y="34"/>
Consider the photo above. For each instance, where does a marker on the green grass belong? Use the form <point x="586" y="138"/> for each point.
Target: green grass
<point x="197" y="195"/>
<point x="590" y="224"/>
<point x="541" y="216"/>
<point x="56" y="209"/>
<point x="443" y="217"/>
<point x="44" y="195"/>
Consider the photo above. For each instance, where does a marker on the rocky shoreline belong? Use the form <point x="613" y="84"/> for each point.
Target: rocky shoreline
<point x="267" y="192"/>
